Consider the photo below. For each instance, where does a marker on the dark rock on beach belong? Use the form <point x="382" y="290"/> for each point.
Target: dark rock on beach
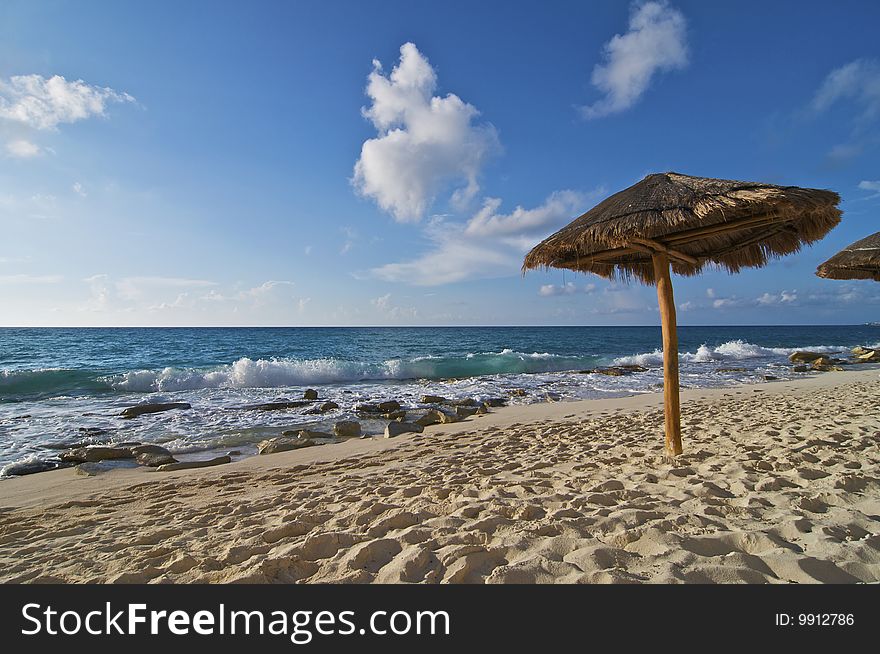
<point x="276" y="445"/>
<point x="152" y="455"/>
<point x="31" y="467"/>
<point x="141" y="409"/>
<point x="432" y="417"/>
<point x="396" y="428"/>
<point x="323" y="408"/>
<point x="389" y="406"/>
<point x="154" y="460"/>
<point x="310" y="394"/>
<point x="347" y="429"/>
<point x="803" y="356"/>
<point x="185" y="465"/>
<point x="96" y="453"/>
<point x="433" y="399"/>
<point x="465" y="411"/>
<point x="367" y="408"/>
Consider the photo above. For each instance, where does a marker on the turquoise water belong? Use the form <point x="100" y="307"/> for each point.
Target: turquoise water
<point x="54" y="382"/>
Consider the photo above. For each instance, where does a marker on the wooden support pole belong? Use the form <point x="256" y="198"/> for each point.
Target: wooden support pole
<point x="671" y="402"/>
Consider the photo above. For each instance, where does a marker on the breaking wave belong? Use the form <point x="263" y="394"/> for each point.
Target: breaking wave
<point x="736" y="350"/>
<point x="273" y="373"/>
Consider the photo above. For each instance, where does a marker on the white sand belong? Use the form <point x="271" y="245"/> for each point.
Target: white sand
<point x="779" y="483"/>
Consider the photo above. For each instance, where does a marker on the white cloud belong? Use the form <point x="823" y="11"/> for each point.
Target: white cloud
<point x="857" y="81"/>
<point x="79" y="190"/>
<point x="725" y="303"/>
<point x="303" y="303"/>
<point x="133" y="288"/>
<point x="784" y="297"/>
<point x="856" y="86"/>
<point x="23" y="149"/>
<point x="867" y="185"/>
<point x="181" y="301"/>
<point x="524" y="223"/>
<point x="569" y="288"/>
<point x="268" y="287"/>
<point x="43" y="104"/>
<point x="655" y="42"/>
<point x="490" y="244"/>
<point x="453" y="258"/>
<point x="384" y="305"/>
<point x="152" y="294"/>
<point x="424" y="143"/>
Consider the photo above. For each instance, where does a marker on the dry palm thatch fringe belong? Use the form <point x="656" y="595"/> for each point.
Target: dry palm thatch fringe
<point x="861" y="260"/>
<point x="699" y="221"/>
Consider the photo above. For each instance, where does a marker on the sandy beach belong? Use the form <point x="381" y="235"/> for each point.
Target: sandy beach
<point x="778" y="484"/>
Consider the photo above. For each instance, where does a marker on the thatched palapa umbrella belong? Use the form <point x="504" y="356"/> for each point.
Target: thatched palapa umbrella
<point x="860" y="260"/>
<point x="669" y="219"/>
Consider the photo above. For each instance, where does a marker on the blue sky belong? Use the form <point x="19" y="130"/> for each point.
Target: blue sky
<point x="389" y="163"/>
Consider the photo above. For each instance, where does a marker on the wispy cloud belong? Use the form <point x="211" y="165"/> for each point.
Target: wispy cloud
<point x="873" y="186"/>
<point x="858" y="82"/>
<point x="656" y="41"/>
<point x="489" y="244"/>
<point x="23" y="149"/>
<point x="522" y="225"/>
<point x="856" y="86"/>
<point x="152" y="293"/>
<point x="132" y="288"/>
<point x="569" y="288"/>
<point x="393" y="312"/>
<point x="351" y="236"/>
<point x="44" y="103"/>
<point x="424" y="142"/>
<point x="783" y="297"/>
<point x="828" y="296"/>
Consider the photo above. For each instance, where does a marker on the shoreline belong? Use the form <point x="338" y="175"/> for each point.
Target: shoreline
<point x="25" y="490"/>
<point x="778" y="483"/>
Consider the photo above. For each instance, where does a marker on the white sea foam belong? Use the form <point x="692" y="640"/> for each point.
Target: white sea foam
<point x="736" y="350"/>
<point x="278" y="373"/>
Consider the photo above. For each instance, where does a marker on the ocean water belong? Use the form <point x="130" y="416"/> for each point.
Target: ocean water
<point x="56" y="383"/>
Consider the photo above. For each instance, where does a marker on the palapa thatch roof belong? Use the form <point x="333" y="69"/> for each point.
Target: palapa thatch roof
<point x="861" y="260"/>
<point x="699" y="221"/>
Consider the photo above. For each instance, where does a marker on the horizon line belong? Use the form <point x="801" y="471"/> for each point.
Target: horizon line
<point x="855" y="324"/>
